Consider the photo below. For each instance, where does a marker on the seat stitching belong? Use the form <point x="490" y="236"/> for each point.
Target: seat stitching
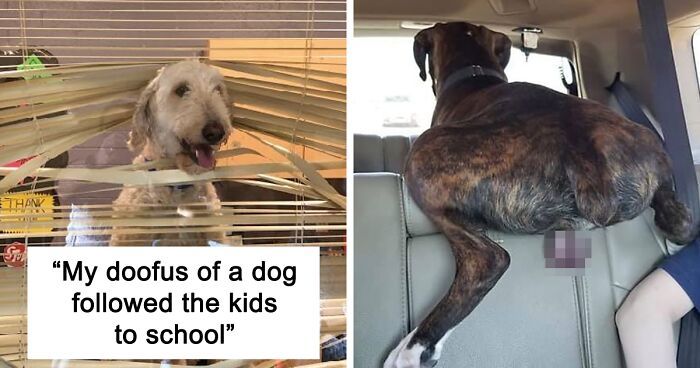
<point x="409" y="216"/>
<point x="385" y="165"/>
<point x="406" y="274"/>
<point x="578" y="321"/>
<point x="588" y="324"/>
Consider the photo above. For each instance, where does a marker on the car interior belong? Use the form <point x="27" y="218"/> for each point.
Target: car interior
<point x="534" y="317"/>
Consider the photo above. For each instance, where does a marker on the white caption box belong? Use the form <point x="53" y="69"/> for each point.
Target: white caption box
<point x="292" y="331"/>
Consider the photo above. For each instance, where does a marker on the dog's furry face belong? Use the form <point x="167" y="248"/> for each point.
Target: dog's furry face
<point x="184" y="112"/>
<point x="457" y="44"/>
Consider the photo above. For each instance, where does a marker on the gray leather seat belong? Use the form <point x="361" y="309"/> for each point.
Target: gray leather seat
<point x="534" y="317"/>
<point x="381" y="154"/>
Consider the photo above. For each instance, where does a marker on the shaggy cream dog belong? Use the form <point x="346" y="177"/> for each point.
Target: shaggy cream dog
<point x="182" y="114"/>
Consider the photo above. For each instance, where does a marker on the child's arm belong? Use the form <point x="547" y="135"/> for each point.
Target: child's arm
<point x="644" y="321"/>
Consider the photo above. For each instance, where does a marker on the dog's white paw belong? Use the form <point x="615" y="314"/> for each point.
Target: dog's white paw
<point x="403" y="357"/>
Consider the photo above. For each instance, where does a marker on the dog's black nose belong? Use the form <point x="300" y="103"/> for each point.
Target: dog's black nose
<point x="213" y="132"/>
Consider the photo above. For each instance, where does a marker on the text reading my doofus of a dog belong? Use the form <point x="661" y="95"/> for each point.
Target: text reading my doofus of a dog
<point x="199" y="300"/>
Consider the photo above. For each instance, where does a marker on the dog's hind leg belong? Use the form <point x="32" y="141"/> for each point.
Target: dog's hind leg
<point x="593" y="187"/>
<point x="480" y="263"/>
<point x="672" y="216"/>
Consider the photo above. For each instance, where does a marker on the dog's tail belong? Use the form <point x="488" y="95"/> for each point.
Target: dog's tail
<point x="673" y="217"/>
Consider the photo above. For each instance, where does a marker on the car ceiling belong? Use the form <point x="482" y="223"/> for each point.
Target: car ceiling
<point x="552" y="14"/>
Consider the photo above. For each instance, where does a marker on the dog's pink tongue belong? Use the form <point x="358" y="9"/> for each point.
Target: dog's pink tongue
<point x="205" y="156"/>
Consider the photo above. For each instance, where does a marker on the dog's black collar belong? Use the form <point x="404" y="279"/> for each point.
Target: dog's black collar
<point x="471" y="71"/>
<point x="178" y="186"/>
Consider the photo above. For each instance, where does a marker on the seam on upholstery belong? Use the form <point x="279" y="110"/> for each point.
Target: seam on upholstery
<point x="589" y="332"/>
<point x="406" y="149"/>
<point x="409" y="291"/>
<point x="616" y="285"/>
<point x="371" y="160"/>
<point x="609" y="259"/>
<point x="660" y="239"/>
<point x="577" y="314"/>
<point x="385" y="161"/>
<point x="405" y="277"/>
<point x="409" y="215"/>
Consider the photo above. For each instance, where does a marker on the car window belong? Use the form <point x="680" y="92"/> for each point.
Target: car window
<point x="392" y="100"/>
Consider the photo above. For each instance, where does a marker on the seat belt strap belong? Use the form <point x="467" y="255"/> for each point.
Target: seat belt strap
<point x="630" y="106"/>
<point x="668" y="109"/>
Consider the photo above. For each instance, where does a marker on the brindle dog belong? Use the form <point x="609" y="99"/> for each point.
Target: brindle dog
<point x="520" y="158"/>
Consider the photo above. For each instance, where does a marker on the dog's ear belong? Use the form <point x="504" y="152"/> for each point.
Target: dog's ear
<point x="142" y="120"/>
<point x="501" y="48"/>
<point x="225" y="96"/>
<point x="422" y="45"/>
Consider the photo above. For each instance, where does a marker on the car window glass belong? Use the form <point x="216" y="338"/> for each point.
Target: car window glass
<point x="392" y="100"/>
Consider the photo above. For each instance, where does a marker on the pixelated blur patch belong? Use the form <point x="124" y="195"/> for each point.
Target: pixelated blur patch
<point x="20" y="209"/>
<point x="566" y="249"/>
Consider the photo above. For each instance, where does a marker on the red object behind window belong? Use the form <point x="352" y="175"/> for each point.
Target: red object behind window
<point x="19" y="162"/>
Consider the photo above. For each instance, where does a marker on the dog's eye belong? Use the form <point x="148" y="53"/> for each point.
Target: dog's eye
<point x="219" y="90"/>
<point x="181" y="90"/>
<point x="469" y="33"/>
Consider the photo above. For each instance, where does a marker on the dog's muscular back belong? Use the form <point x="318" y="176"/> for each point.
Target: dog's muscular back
<point x="522" y="158"/>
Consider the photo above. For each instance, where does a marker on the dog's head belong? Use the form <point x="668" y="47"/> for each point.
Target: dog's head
<point x="458" y="44"/>
<point x="183" y="110"/>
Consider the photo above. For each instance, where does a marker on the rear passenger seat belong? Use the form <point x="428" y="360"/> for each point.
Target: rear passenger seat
<point x="532" y="318"/>
<point x="381" y="154"/>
